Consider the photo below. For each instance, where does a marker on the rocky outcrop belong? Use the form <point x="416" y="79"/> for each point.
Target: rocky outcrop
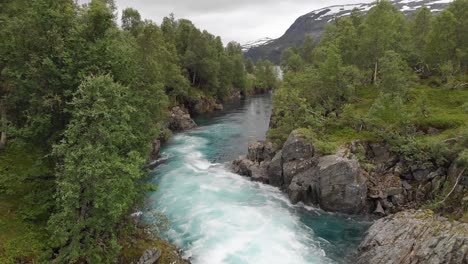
<point x="203" y="104"/>
<point x="361" y="178"/>
<point x="150" y="256"/>
<point x="180" y="120"/>
<point x="415" y="237"/>
<point x="332" y="182"/>
<point x="342" y="186"/>
<point x="255" y="164"/>
<point x="261" y="151"/>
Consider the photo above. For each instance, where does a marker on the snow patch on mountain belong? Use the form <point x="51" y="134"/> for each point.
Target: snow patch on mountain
<point x="256" y="43"/>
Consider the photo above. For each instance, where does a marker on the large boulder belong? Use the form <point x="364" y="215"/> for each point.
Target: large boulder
<point x="296" y="147"/>
<point x="296" y="156"/>
<point x="150" y="256"/>
<point x="261" y="151"/>
<point x="180" y="120"/>
<point x="246" y="167"/>
<point x="334" y="183"/>
<point x="415" y="237"/>
<point x="305" y="187"/>
<point x="243" y="166"/>
<point x="275" y="170"/>
<point x="342" y="187"/>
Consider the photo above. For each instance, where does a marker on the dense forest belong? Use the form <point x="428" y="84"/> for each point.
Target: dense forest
<point x="383" y="77"/>
<point x="81" y="98"/>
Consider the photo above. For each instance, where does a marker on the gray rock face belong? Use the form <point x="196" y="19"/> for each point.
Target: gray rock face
<point x="292" y="168"/>
<point x="243" y="166"/>
<point x="155" y="152"/>
<point x="415" y="237"/>
<point x="296" y="148"/>
<point x="342" y="187"/>
<point x="246" y="167"/>
<point x="334" y="183"/>
<point x="150" y="256"/>
<point x="305" y="187"/>
<point x="180" y="120"/>
<point x="275" y="170"/>
<point x="261" y="151"/>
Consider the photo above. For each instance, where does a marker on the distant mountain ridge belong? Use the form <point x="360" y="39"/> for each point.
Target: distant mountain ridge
<point x="315" y="22"/>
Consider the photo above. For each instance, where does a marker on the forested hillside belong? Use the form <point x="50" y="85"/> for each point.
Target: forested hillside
<point x="81" y="99"/>
<point x="384" y="78"/>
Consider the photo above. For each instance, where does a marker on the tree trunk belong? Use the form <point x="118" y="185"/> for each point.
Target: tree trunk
<point x="194" y="78"/>
<point x="375" y="72"/>
<point x="3" y="125"/>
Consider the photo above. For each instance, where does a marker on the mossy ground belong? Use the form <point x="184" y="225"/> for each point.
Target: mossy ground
<point x="25" y="199"/>
<point x="138" y="242"/>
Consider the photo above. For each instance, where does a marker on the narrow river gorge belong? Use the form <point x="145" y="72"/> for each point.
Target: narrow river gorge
<point x="219" y="217"/>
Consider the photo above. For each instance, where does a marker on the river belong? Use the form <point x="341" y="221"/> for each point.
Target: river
<point x="219" y="217"/>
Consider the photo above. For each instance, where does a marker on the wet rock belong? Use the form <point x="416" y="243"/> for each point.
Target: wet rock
<point x="415" y="237"/>
<point x="261" y="151"/>
<point x="259" y="173"/>
<point x="243" y="166"/>
<point x="180" y="120"/>
<point x="156" y="150"/>
<point x="297" y="148"/>
<point x="275" y="170"/>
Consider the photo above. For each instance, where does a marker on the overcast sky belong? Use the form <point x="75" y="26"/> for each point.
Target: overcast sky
<point x="239" y="20"/>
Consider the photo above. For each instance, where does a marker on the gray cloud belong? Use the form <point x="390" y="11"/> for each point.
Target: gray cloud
<point x="238" y="20"/>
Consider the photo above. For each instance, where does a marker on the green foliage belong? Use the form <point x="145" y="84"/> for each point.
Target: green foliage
<point x="249" y="66"/>
<point x="389" y="113"/>
<point x="98" y="180"/>
<point x="394" y="74"/>
<point x="441" y="46"/>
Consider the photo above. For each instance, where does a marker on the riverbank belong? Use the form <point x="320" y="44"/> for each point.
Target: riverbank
<point x="355" y="169"/>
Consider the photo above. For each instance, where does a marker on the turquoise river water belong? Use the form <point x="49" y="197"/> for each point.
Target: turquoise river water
<point x="219" y="217"/>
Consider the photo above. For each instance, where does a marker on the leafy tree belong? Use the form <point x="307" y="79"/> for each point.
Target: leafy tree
<point x="420" y="28"/>
<point x="394" y="74"/>
<point x="291" y="61"/>
<point x="307" y="49"/>
<point x="389" y="114"/>
<point x="442" y="41"/>
<point x="249" y="66"/>
<point x="99" y="173"/>
<point x="131" y="20"/>
<point x="459" y="8"/>
<point x="383" y="29"/>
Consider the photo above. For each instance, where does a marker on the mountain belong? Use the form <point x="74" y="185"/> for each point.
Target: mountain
<point x="315" y="22"/>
